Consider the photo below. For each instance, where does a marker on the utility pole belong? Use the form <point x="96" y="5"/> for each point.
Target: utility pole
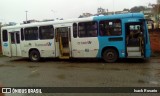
<point x="26" y="16"/>
<point x="53" y="13"/>
<point x="113" y="7"/>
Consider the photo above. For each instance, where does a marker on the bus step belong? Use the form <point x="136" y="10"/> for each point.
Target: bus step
<point x="134" y="54"/>
<point x="64" y="57"/>
<point x="65" y="54"/>
<point x="65" y="50"/>
<point x="133" y="49"/>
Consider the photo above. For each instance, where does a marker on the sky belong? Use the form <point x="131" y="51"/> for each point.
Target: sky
<point x="14" y="10"/>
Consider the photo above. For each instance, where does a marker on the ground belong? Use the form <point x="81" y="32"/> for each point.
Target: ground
<point x="19" y="72"/>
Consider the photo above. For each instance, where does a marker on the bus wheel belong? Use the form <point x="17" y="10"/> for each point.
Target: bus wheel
<point x="110" y="55"/>
<point x="34" y="56"/>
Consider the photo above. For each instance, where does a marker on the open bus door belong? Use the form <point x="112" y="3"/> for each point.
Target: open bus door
<point x="63" y="41"/>
<point x="135" y="40"/>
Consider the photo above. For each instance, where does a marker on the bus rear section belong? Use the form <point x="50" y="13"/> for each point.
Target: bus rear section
<point x="137" y="40"/>
<point x="126" y="36"/>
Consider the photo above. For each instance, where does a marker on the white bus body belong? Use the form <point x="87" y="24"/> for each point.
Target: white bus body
<point x="49" y="47"/>
<point x="93" y="37"/>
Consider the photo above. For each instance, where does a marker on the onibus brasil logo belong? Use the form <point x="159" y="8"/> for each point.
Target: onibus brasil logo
<point x="21" y="90"/>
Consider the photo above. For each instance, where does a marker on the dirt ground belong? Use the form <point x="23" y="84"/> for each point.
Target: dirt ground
<point x="19" y="72"/>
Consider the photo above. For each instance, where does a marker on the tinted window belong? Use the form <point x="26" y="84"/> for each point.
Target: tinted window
<point x="22" y="34"/>
<point x="110" y="28"/>
<point x="17" y="37"/>
<point x="46" y="32"/>
<point x="75" y="30"/>
<point x="87" y="29"/>
<point x="31" y="33"/>
<point x="12" y="38"/>
<point x="5" y="36"/>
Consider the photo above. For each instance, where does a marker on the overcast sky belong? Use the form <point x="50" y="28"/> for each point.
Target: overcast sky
<point x="14" y="10"/>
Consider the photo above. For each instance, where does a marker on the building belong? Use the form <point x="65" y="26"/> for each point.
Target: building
<point x="30" y="21"/>
<point x="101" y="11"/>
<point x="121" y="12"/>
<point x="147" y="13"/>
<point x="85" y="15"/>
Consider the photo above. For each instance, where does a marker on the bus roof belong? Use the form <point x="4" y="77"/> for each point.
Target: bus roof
<point x="120" y="16"/>
<point x="116" y="16"/>
<point x="49" y="23"/>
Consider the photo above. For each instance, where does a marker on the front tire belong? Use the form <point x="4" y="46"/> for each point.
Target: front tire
<point x="34" y="56"/>
<point x="110" y="55"/>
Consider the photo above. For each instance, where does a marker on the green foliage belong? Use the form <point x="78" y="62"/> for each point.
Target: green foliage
<point x="137" y="9"/>
<point x="156" y="9"/>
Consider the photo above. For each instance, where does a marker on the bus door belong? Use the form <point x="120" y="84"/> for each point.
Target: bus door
<point x="63" y="41"/>
<point x="134" y="40"/>
<point x="15" y="43"/>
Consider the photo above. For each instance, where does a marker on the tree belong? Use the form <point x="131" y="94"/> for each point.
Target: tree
<point x="80" y="16"/>
<point x="156" y="8"/>
<point x="137" y="9"/>
<point x="125" y="9"/>
<point x="156" y="12"/>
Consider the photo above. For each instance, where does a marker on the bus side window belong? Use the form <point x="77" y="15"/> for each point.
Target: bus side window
<point x="110" y="28"/>
<point x="12" y="38"/>
<point x="46" y="32"/>
<point x="92" y="30"/>
<point x="87" y="29"/>
<point x="5" y="35"/>
<point x="31" y="33"/>
<point x="75" y="30"/>
<point x="22" y="34"/>
<point x="104" y="28"/>
<point x="17" y="37"/>
<point x="81" y="29"/>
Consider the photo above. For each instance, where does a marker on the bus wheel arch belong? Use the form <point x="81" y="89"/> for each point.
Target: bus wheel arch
<point x="34" y="55"/>
<point x="110" y="54"/>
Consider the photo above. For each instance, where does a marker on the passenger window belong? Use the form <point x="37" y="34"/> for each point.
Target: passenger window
<point x="87" y="29"/>
<point x="46" y="32"/>
<point x="81" y="30"/>
<point x="110" y="28"/>
<point x="75" y="30"/>
<point x="22" y="35"/>
<point x="31" y="33"/>
<point x="5" y="35"/>
<point x="15" y="40"/>
<point x="18" y="37"/>
<point x="12" y="38"/>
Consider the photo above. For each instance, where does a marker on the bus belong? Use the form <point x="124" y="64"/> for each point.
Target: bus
<point x="108" y="37"/>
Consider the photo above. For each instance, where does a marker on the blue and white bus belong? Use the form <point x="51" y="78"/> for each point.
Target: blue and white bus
<point x="108" y="37"/>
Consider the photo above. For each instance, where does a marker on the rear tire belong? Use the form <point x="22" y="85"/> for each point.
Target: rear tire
<point x="110" y="55"/>
<point x="34" y="56"/>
